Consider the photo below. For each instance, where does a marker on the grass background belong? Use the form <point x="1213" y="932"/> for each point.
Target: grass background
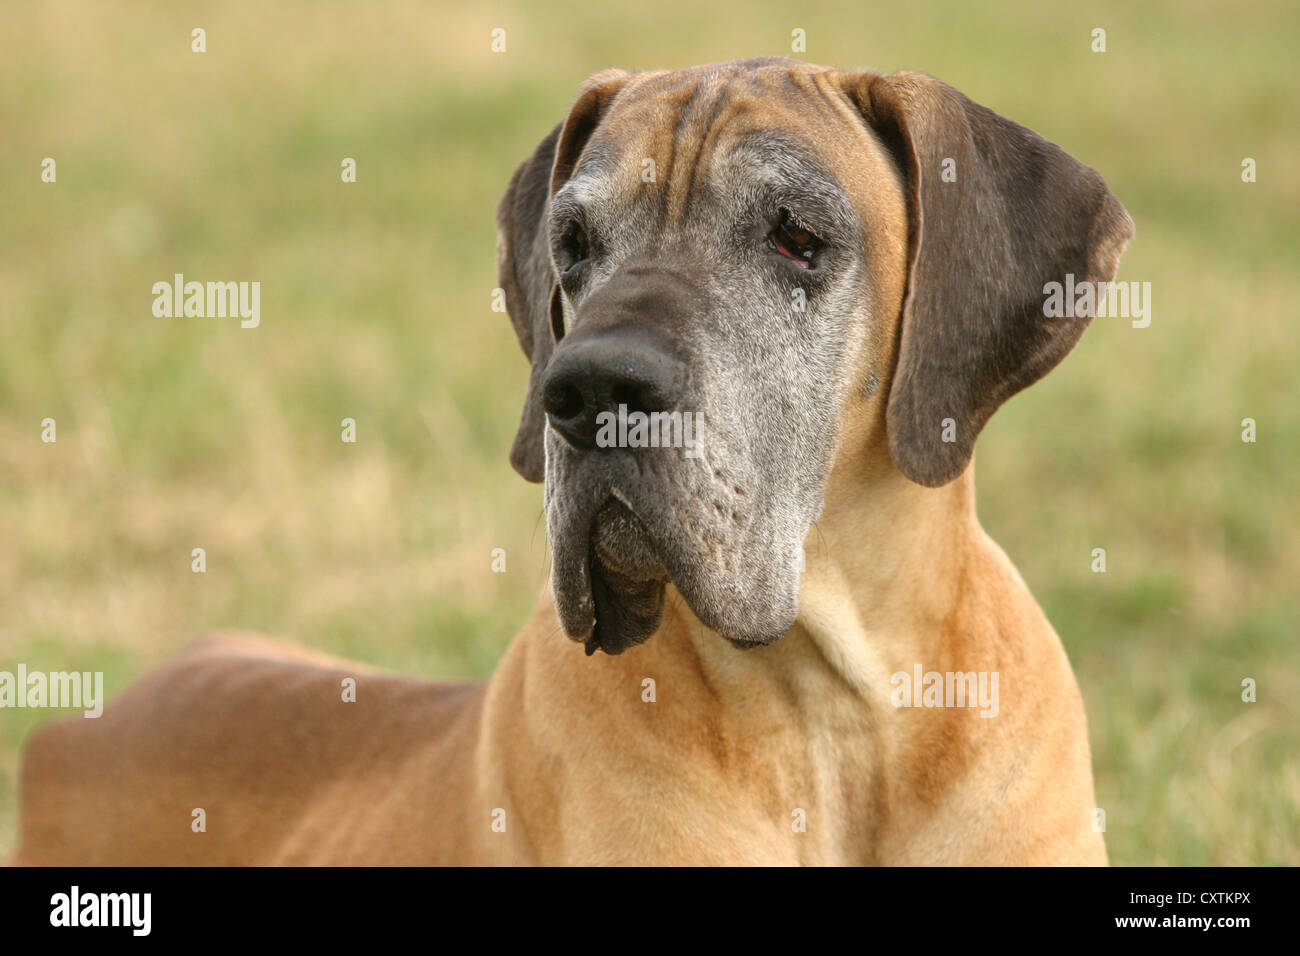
<point x="183" y="433"/>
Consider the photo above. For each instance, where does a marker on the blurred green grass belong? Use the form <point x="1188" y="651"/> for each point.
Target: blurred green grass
<point x="175" y="434"/>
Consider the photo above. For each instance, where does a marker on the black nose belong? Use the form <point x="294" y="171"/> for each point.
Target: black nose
<point x="595" y="375"/>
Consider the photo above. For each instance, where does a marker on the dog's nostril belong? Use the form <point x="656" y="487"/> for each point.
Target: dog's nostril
<point x="565" y="401"/>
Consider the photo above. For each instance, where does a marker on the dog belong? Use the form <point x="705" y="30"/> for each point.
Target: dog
<point x="841" y="274"/>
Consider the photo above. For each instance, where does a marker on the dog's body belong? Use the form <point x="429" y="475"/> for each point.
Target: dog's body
<point x="586" y="770"/>
<point x="689" y="750"/>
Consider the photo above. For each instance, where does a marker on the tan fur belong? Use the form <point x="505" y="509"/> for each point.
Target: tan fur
<point x="897" y="574"/>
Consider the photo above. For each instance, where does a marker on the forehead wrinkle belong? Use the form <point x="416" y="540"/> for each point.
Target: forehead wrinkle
<point x="638" y="129"/>
<point x="683" y="121"/>
<point x="601" y="173"/>
<point x="763" y="101"/>
<point x="687" y="122"/>
<point x="720" y="109"/>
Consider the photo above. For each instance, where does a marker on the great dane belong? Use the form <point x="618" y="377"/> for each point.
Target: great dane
<point x="782" y="643"/>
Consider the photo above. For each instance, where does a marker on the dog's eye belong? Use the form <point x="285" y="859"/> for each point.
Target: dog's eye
<point x="794" y="241"/>
<point x="574" y="247"/>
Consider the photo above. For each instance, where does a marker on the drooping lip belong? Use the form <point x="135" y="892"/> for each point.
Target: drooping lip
<point x="628" y="579"/>
<point x="571" y="573"/>
<point x="606" y="600"/>
<point x="626" y="612"/>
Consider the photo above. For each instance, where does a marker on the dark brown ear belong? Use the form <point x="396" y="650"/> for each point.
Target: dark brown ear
<point x="524" y="268"/>
<point x="1019" y="213"/>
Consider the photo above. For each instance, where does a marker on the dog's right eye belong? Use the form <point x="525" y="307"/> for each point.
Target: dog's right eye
<point x="794" y="241"/>
<point x="574" y="247"/>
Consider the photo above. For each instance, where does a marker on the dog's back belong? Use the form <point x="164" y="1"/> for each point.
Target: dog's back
<point x="260" y="738"/>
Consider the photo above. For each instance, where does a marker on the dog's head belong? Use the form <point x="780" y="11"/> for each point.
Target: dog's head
<point x="709" y="268"/>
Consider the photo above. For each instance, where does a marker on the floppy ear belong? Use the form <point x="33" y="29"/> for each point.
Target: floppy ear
<point x="524" y="268"/>
<point x="1020" y="213"/>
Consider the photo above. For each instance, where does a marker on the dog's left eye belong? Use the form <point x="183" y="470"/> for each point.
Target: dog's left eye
<point x="574" y="247"/>
<point x="794" y="241"/>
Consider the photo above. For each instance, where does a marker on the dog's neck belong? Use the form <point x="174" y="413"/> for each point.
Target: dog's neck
<point x="804" y="724"/>
<point x="811" y="715"/>
<point x="884" y="567"/>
